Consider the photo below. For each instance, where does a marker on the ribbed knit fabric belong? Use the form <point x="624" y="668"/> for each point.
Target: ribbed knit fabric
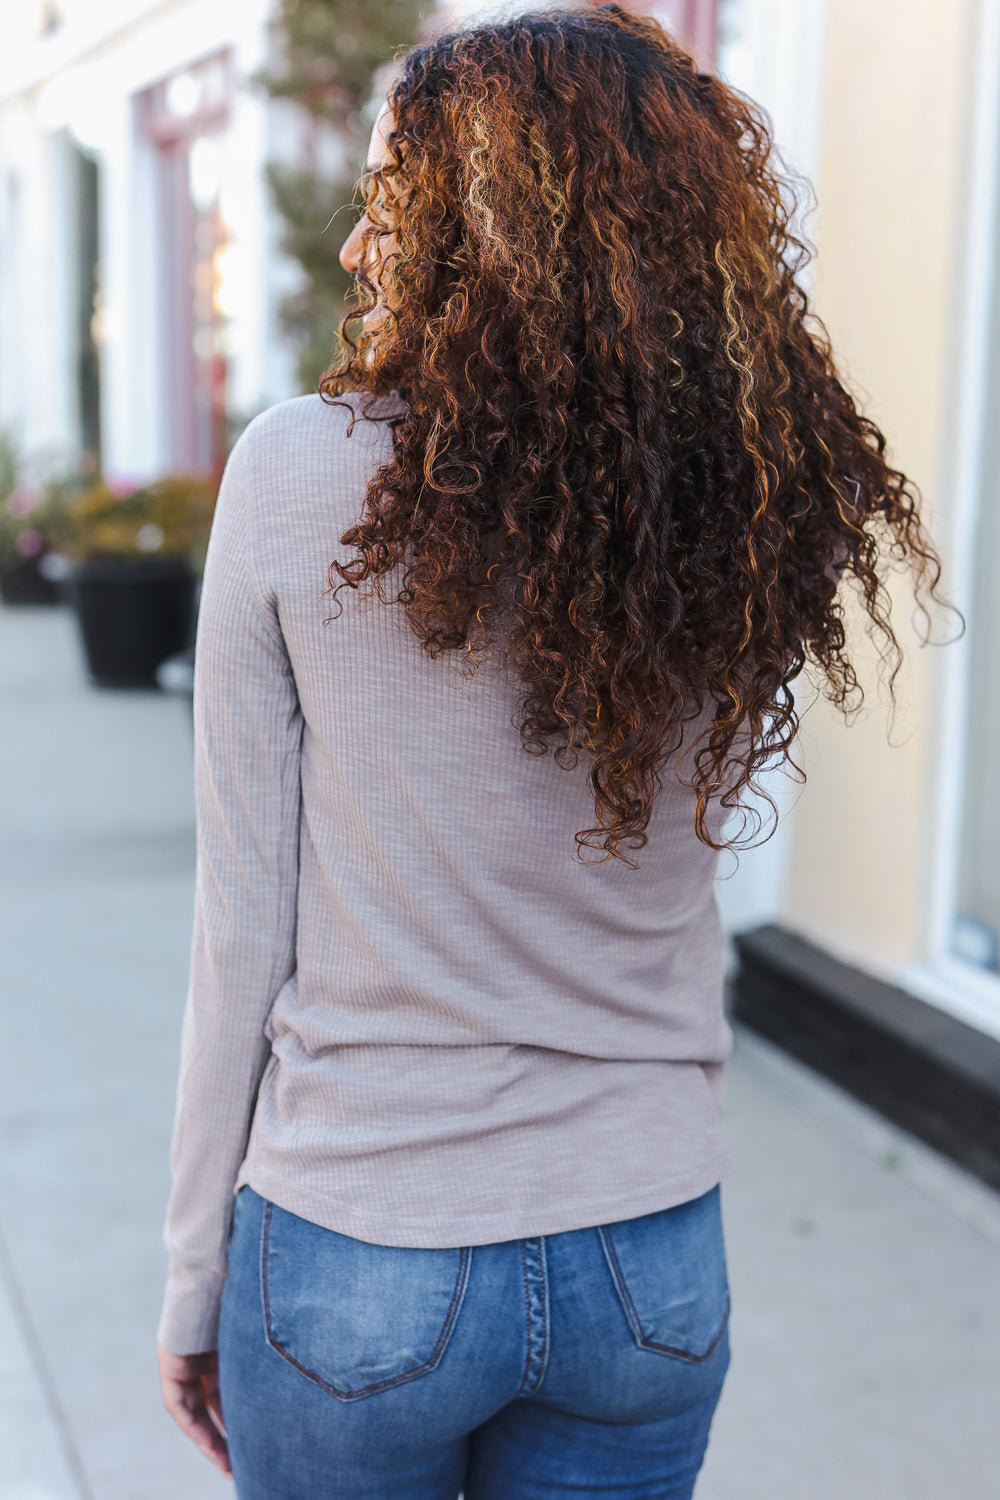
<point x="414" y="1016"/>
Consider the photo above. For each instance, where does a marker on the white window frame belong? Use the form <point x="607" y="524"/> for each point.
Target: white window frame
<point x="942" y="979"/>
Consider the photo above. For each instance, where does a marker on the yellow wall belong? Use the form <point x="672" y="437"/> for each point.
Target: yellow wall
<point x="892" y="196"/>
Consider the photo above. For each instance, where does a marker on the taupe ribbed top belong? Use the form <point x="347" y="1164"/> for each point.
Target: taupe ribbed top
<point x="414" y="1016"/>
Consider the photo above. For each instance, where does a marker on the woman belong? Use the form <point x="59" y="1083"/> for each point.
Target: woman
<point x="449" y="1141"/>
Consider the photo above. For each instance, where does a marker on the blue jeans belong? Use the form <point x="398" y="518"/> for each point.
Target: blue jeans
<point x="588" y="1362"/>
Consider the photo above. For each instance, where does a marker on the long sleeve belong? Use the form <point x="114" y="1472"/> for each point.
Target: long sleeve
<point x="248" y="737"/>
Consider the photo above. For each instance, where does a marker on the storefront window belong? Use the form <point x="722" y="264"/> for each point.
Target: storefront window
<point x="88" y="370"/>
<point x="976" y="926"/>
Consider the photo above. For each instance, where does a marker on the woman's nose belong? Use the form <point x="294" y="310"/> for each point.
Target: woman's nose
<point x="350" y="251"/>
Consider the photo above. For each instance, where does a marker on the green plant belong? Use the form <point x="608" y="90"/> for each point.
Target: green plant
<point x="169" y="517"/>
<point x="9" y="465"/>
<point x="330" y="52"/>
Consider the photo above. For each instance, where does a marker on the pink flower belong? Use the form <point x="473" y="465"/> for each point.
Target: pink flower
<point x="29" y="543"/>
<point x="121" y="488"/>
<point x="21" y="502"/>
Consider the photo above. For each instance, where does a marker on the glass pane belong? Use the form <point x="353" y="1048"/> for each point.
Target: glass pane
<point x="976" y="929"/>
<point x="87" y="304"/>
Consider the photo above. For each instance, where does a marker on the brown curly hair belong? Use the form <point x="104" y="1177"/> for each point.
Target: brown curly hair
<point x="624" y="435"/>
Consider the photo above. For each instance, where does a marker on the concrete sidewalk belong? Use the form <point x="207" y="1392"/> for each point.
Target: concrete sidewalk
<point x="865" y="1270"/>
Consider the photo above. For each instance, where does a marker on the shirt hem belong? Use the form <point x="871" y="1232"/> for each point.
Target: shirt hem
<point x="482" y="1229"/>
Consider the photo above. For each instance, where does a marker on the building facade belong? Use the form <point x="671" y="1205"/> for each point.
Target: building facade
<point x="889" y="853"/>
<point x="869" y="932"/>
<point x="139" y="273"/>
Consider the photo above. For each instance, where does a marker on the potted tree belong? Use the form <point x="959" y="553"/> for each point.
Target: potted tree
<point x="133" y="556"/>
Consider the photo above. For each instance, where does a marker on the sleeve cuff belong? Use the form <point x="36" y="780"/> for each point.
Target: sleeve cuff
<point x="189" y="1321"/>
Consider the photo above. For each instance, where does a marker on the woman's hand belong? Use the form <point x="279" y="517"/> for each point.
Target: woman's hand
<point x="191" y="1395"/>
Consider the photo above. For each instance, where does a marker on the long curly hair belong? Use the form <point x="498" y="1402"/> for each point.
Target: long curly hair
<point x="623" y="450"/>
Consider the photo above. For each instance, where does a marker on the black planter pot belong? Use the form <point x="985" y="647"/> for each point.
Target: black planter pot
<point x="132" y="616"/>
<point x="23" y="583"/>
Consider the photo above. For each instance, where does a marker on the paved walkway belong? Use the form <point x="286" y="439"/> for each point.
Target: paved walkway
<point x="865" y="1270"/>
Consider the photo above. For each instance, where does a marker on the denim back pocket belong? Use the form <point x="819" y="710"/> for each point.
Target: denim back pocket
<point x="669" y="1270"/>
<point x="356" y="1318"/>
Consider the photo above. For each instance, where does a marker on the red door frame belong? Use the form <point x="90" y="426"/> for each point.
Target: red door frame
<point x="197" y="383"/>
<point x="695" y="24"/>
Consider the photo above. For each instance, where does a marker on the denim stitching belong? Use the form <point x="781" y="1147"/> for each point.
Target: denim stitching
<point x="265" y="1233"/>
<point x="458" y="1292"/>
<point x="543" y="1283"/>
<point x="529" y="1285"/>
<point x="527" y="1320"/>
<point x="635" y="1323"/>
<point x="261" y="1265"/>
